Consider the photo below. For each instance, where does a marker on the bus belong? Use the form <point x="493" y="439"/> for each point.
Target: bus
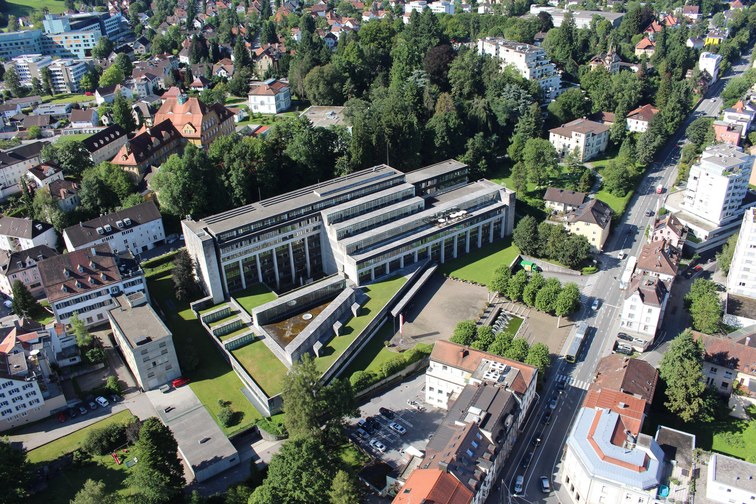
<point x="577" y="342"/>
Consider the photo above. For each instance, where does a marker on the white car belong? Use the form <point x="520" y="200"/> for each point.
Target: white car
<point x="378" y="445"/>
<point x="102" y="401"/>
<point x="621" y="255"/>
<point x="519" y="484"/>
<point x="545" y="487"/>
<point x="596" y="304"/>
<point x="397" y="428"/>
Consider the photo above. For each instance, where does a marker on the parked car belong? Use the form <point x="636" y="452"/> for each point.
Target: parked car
<point x="596" y="304"/>
<point x="8" y="304"/>
<point x="387" y="413"/>
<point x="545" y="486"/>
<point x="362" y="433"/>
<point x="397" y="428"/>
<point x="116" y="398"/>
<point x="621" y="255"/>
<point x="72" y="412"/>
<point x="92" y="405"/>
<point x="519" y="484"/>
<point x="625" y="337"/>
<point x="624" y="349"/>
<point x="102" y="401"/>
<point x="179" y="382"/>
<point x="649" y="213"/>
<point x="83" y="410"/>
<point x="378" y="445"/>
<point x="526" y="460"/>
<point x="62" y="417"/>
<point x="553" y="402"/>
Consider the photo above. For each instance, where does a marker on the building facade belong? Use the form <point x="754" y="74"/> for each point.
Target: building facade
<point x="643" y="308"/>
<point x="145" y="341"/>
<point x="22" y="266"/>
<point x="741" y="279"/>
<point x="710" y="62"/>
<point x="136" y="229"/>
<point x="29" y="66"/>
<point x="14" y="163"/>
<point x="531" y="62"/>
<point x="198" y="123"/>
<point x="150" y="147"/>
<point x="66" y="75"/>
<point x="367" y="225"/>
<point x="592" y="219"/>
<point x="639" y="120"/>
<point x="104" y="145"/>
<point x="18" y="234"/>
<point x="270" y="97"/>
<point x="583" y="137"/>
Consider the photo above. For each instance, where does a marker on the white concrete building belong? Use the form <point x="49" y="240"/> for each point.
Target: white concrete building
<point x="643" y="307"/>
<point x="29" y="66"/>
<point x="582" y="136"/>
<point x="23" y="234"/>
<point x="530" y="61"/>
<point x="730" y="480"/>
<point x="741" y="280"/>
<point x="639" y="120"/>
<point x="710" y="62"/>
<point x="136" y="229"/>
<point x="718" y="183"/>
<point x="66" y="75"/>
<point x="270" y="97"/>
<point x="86" y="282"/>
<point x="105" y="144"/>
<point x="145" y="341"/>
<point x="14" y="163"/>
<point x="441" y="7"/>
<point x="740" y="115"/>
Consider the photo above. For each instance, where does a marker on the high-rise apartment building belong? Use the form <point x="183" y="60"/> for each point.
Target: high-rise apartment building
<point x="741" y="280"/>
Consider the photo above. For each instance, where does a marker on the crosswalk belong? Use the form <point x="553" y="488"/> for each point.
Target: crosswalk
<point x="571" y="381"/>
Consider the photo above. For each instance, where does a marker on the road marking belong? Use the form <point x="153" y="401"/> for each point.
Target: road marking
<point x="572" y="381"/>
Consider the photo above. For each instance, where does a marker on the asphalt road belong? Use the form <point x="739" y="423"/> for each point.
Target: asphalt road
<point x="604" y="285"/>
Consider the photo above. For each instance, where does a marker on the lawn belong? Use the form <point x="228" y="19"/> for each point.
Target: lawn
<point x="264" y="367"/>
<point x="213" y="379"/>
<point x="72" y="442"/>
<point x="42" y="316"/>
<point x="78" y="137"/>
<point x="254" y="296"/>
<point x="616" y="203"/>
<point x="26" y="7"/>
<point x="374" y="354"/>
<point x="69" y="98"/>
<point x="479" y="265"/>
<point x="513" y="326"/>
<point x="380" y="293"/>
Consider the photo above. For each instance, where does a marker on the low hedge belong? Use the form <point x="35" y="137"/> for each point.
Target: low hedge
<point x="364" y="379"/>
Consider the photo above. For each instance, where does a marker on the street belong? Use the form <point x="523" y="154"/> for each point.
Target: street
<point x="628" y="236"/>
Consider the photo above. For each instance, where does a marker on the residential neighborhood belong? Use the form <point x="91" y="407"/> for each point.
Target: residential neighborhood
<point x="377" y="252"/>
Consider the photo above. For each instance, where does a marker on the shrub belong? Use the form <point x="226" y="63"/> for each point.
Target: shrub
<point x="105" y="440"/>
<point x="226" y="416"/>
<point x="362" y="379"/>
<point x="112" y="385"/>
<point x="266" y="424"/>
<point x="393" y="365"/>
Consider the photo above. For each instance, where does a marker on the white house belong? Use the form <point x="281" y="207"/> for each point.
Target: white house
<point x="710" y="62"/>
<point x="86" y="281"/>
<point x="22" y="266"/>
<point x="108" y="94"/>
<point x="270" y="97"/>
<point x="44" y="174"/>
<point x="136" y="229"/>
<point x="741" y="279"/>
<point x="638" y="120"/>
<point x="740" y="114"/>
<point x="14" y="164"/>
<point x="730" y="480"/>
<point x="643" y="308"/>
<point x="18" y="234"/>
<point x="582" y="136"/>
<point x="84" y="118"/>
<point x="105" y="144"/>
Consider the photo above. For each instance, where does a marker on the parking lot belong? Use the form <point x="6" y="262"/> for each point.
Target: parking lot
<point x="419" y="424"/>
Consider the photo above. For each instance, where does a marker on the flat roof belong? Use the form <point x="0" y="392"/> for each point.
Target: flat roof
<point x="140" y="323"/>
<point x="434" y="170"/>
<point x="325" y="117"/>
<point x="277" y="205"/>
<point x="733" y="472"/>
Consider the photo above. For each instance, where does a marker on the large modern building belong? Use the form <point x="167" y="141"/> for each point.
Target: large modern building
<point x="29" y="66"/>
<point x="66" y="75"/>
<point x="530" y="61"/>
<point x="741" y="279"/>
<point x="367" y="225"/>
<point x="145" y="341"/>
<point x="730" y="480"/>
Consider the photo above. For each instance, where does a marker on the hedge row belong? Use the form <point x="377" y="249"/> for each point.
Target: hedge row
<point x="364" y="379"/>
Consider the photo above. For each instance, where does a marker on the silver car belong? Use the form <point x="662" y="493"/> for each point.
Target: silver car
<point x="378" y="445"/>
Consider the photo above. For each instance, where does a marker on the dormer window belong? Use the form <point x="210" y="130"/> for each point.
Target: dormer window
<point x="80" y="268"/>
<point x="66" y="273"/>
<point x="91" y="280"/>
<point x="64" y="288"/>
<point x="103" y="277"/>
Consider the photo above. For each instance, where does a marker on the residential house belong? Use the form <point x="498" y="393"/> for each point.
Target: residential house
<point x="592" y="219"/>
<point x="84" y="118"/>
<point x="634" y="377"/>
<point x="108" y="94"/>
<point x="730" y="361"/>
<point x="715" y="37"/>
<point x="183" y="56"/>
<point x="691" y="13"/>
<point x="14" y="163"/>
<point x="26" y="101"/>
<point x="270" y="97"/>
<point x="643" y="307"/>
<point x="200" y="84"/>
<point x="66" y="194"/>
<point x="137" y="229"/>
<point x="729" y="133"/>
<point x="143" y="112"/>
<point x="645" y="47"/>
<point x="150" y="147"/>
<point x="638" y="120"/>
<point x="224" y="68"/>
<point x="741" y="115"/>
<point x="695" y="43"/>
<point x="104" y="144"/>
<point x="610" y="61"/>
<point x="606" y="118"/>
<point x="671" y="230"/>
<point x="44" y="174"/>
<point x="38" y="121"/>
<point x="141" y="46"/>
<point x="198" y="123"/>
<point x="729" y="479"/>
<point x="659" y="259"/>
<point x="160" y="66"/>
<point x="710" y="62"/>
<point x="22" y="266"/>
<point x="144" y="340"/>
<point x="9" y="110"/>
<point x="145" y="84"/>
<point x="563" y="200"/>
<point x="87" y="281"/>
<point x="266" y="57"/>
<point x="582" y="137"/>
<point x="18" y="234"/>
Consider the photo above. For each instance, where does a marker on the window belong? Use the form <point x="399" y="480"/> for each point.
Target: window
<point x="725" y="384"/>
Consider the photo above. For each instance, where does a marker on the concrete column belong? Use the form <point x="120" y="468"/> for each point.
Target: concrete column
<point x="259" y="269"/>
<point x="372" y="274"/>
<point x="275" y="268"/>
<point x="291" y="263"/>
<point x="467" y="242"/>
<point x="307" y="257"/>
<point x="490" y="232"/>
<point x="480" y="235"/>
<point x="401" y="261"/>
<point x="455" y="246"/>
<point x="241" y="272"/>
<point x="503" y="229"/>
<point x="443" y="249"/>
<point x="415" y="255"/>
<point x="386" y="267"/>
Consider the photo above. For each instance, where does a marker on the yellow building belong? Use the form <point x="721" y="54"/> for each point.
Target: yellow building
<point x="593" y="220"/>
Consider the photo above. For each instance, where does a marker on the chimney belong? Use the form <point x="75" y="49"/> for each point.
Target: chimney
<point x="465" y="352"/>
<point x="748" y="341"/>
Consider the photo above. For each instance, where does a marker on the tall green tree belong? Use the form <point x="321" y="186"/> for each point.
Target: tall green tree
<point x="500" y="280"/>
<point x="724" y="258"/>
<point x="517" y="285"/>
<point x="681" y="368"/>
<point x="111" y="76"/>
<point x="15" y="473"/>
<point x="124" y="63"/>
<point x="539" y="356"/>
<point x="464" y="333"/>
<point x="343" y="489"/>
<point x="104" y="188"/>
<point x="83" y="337"/>
<point x="548" y="296"/>
<point x="518" y="350"/>
<point x="323" y="85"/>
<point x="535" y="284"/>
<point x="525" y="235"/>
<point x="704" y="306"/>
<point x="540" y="160"/>
<point x="93" y="492"/>
<point x="568" y="301"/>
<point x="184" y="283"/>
<point x="122" y="113"/>
<point x="70" y="155"/>
<point x="103" y="48"/>
<point x="159" y="476"/>
<point x="188" y="185"/>
<point x="24" y="304"/>
<point x="13" y="82"/>
<point x="569" y="105"/>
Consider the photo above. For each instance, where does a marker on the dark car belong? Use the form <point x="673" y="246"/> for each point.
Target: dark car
<point x="560" y="386"/>
<point x="625" y="337"/>
<point x="649" y="213"/>
<point x="526" y="460"/>
<point x="387" y="413"/>
<point x="83" y="410"/>
<point x="72" y="412"/>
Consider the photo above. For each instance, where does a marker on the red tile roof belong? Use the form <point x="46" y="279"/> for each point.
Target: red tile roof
<point x="432" y="486"/>
<point x="630" y="376"/>
<point x="631" y="409"/>
<point x="78" y="272"/>
<point x="643" y="113"/>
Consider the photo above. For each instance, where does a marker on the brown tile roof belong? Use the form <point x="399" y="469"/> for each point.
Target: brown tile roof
<point x="690" y="9"/>
<point x="268" y="88"/>
<point x="592" y="211"/>
<point x="62" y="189"/>
<point x="728" y="353"/>
<point x="433" y="486"/>
<point x="651" y="289"/>
<point x="645" y="43"/>
<point x="672" y="223"/>
<point x="602" y="117"/>
<point x="468" y="359"/>
<point x="78" y="272"/>
<point x="22" y="228"/>
<point x="631" y="376"/>
<point x="9" y="262"/>
<point x="37" y="120"/>
<point x="583" y="126"/>
<point x="44" y="170"/>
<point x="659" y="257"/>
<point x="146" y="143"/>
<point x="643" y="113"/>
<point x="631" y="409"/>
<point x="225" y="64"/>
<point x="81" y="115"/>
<point x="571" y="198"/>
<point x="103" y="138"/>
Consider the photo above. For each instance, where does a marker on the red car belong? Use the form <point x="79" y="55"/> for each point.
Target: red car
<point x="62" y="417"/>
<point x="179" y="382"/>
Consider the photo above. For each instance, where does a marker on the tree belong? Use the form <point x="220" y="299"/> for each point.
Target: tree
<point x="34" y="132"/>
<point x="616" y="178"/>
<point x="518" y="350"/>
<point x="569" y="105"/>
<point x="567" y="302"/>
<point x="547" y="297"/>
<point x="700" y="131"/>
<point x="302" y="471"/>
<point x="724" y="258"/>
<point x="79" y="330"/>
<point x="14" y="473"/>
<point x="103" y="188"/>
<point x="24" y="304"/>
<point x="93" y="492"/>
<point x="535" y="284"/>
<point x="184" y="281"/>
<point x="308" y="404"/>
<point x="575" y="250"/>
<point x="540" y="160"/>
<point x="343" y="489"/>
<point x="525" y="236"/>
<point x="483" y="338"/>
<point x="124" y="63"/>
<point x="13" y="82"/>
<point x="185" y="184"/>
<point x="517" y="285"/>
<point x="159" y="475"/>
<point x="539" y="356"/>
<point x="704" y="306"/>
<point x="323" y="85"/>
<point x="103" y="49"/>
<point x="501" y="344"/>
<point x="36" y="87"/>
<point x="12" y="23"/>
<point x="500" y="281"/>
<point x="681" y="368"/>
<point x="122" y="113"/>
<point x="464" y="333"/>
<point x="70" y="155"/>
<point x="111" y="76"/>
<point x="95" y="355"/>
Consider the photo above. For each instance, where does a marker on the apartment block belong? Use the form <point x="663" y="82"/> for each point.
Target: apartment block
<point x="29" y="66"/>
<point x="741" y="280"/>
<point x="14" y="163"/>
<point x="643" y="308"/>
<point x="18" y="43"/>
<point x="367" y="224"/>
<point x="17" y="234"/>
<point x="531" y="62"/>
<point x="66" y="75"/>
<point x="730" y="480"/>
<point x="583" y="137"/>
<point x="136" y="229"/>
<point x="710" y="62"/>
<point x="145" y="341"/>
<point x="22" y="266"/>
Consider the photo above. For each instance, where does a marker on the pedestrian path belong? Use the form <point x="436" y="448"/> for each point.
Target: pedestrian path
<point x="570" y="380"/>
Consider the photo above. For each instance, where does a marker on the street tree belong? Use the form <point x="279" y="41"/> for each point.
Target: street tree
<point x="539" y="356"/>
<point x="518" y="350"/>
<point x="159" y="476"/>
<point x="525" y="235"/>
<point x="681" y="368"/>
<point x="24" y="304"/>
<point x="724" y="258"/>
<point x="567" y="302"/>
<point x="184" y="281"/>
<point x="464" y="333"/>
<point x="79" y="330"/>
<point x="344" y="490"/>
<point x="122" y="113"/>
<point x="546" y="300"/>
<point x="617" y="178"/>
<point x="15" y="473"/>
<point x="517" y="285"/>
<point x="484" y="336"/>
<point x="704" y="306"/>
<point x="500" y="281"/>
<point x="535" y="284"/>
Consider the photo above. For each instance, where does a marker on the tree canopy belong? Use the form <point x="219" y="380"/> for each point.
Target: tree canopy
<point x="681" y="368"/>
